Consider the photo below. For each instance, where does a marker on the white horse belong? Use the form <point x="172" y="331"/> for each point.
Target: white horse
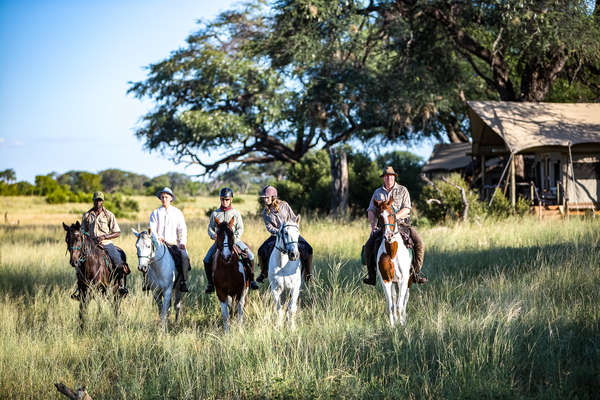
<point x="393" y="263"/>
<point x="284" y="269"/>
<point x="155" y="259"/>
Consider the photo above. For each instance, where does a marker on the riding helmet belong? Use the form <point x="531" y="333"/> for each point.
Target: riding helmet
<point x="268" y="191"/>
<point x="226" y="193"/>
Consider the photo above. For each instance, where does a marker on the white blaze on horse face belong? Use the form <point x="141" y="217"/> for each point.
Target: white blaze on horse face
<point x="144" y="250"/>
<point x="226" y="251"/>
<point x="388" y="232"/>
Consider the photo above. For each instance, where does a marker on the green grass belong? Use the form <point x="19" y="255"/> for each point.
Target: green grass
<point x="511" y="311"/>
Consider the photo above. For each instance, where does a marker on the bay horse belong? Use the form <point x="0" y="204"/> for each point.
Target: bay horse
<point x="230" y="279"/>
<point x="393" y="263"/>
<point x="93" y="267"/>
<point x="284" y="269"/>
<point x="155" y="259"/>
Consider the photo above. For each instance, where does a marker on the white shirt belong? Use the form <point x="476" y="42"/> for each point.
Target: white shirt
<point x="169" y="225"/>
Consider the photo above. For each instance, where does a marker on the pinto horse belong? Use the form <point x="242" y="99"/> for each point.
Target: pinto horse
<point x="284" y="269"/>
<point x="230" y="279"/>
<point x="154" y="259"/>
<point x="93" y="267"/>
<point x="393" y="263"/>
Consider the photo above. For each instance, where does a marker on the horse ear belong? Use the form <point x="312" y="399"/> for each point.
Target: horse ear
<point x="390" y="201"/>
<point x="149" y="231"/>
<point x="136" y="233"/>
<point x="217" y="220"/>
<point x="377" y="203"/>
<point x="298" y="219"/>
<point x="77" y="225"/>
<point x="231" y="222"/>
<point x="65" y="226"/>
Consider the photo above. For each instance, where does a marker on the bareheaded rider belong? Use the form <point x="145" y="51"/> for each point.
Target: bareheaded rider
<point x="225" y="213"/>
<point x="275" y="213"/>
<point x="402" y="208"/>
<point x="102" y="226"/>
<point x="168" y="224"/>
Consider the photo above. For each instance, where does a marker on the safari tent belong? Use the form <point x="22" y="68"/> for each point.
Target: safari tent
<point x="556" y="145"/>
<point x="447" y="158"/>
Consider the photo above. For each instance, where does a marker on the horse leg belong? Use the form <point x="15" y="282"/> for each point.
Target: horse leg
<point x="387" y="289"/>
<point x="178" y="296"/>
<point x="240" y="306"/>
<point x="277" y="290"/>
<point x="166" y="304"/>
<point x="225" y="314"/>
<point x="294" y="294"/>
<point x="83" y="302"/>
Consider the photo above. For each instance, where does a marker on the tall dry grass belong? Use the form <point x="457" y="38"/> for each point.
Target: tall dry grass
<point x="511" y="311"/>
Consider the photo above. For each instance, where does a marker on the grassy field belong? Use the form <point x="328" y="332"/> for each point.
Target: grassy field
<point x="512" y="310"/>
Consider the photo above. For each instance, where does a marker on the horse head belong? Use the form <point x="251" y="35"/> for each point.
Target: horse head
<point x="386" y="217"/>
<point x="225" y="238"/>
<point x="146" y="245"/>
<point x="75" y="243"/>
<point x="289" y="234"/>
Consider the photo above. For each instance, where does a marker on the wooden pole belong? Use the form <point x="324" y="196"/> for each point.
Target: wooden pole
<point x="513" y="186"/>
<point x="483" y="176"/>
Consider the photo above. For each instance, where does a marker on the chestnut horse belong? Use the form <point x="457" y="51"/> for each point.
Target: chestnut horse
<point x="93" y="267"/>
<point x="230" y="279"/>
<point x="393" y="263"/>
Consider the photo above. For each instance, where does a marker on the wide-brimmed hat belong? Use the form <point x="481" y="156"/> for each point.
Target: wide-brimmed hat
<point x="98" y="196"/>
<point x="167" y="191"/>
<point x="389" y="170"/>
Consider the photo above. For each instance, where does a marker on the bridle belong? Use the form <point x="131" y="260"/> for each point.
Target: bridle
<point x="151" y="258"/>
<point x="394" y="225"/>
<point x="280" y="234"/>
<point x="83" y="253"/>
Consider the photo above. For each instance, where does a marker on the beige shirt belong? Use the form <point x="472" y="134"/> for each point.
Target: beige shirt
<point x="104" y="223"/>
<point x="401" y="198"/>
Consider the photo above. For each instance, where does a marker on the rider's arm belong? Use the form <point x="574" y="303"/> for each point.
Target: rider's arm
<point x="372" y="220"/>
<point x="211" y="226"/>
<point x="153" y="223"/>
<point x="403" y="213"/>
<point x="271" y="228"/>
<point x="239" y="226"/>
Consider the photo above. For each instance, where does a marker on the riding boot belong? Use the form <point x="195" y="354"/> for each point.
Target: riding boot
<point x="210" y="286"/>
<point x="264" y="271"/>
<point x="306" y="261"/>
<point x="185" y="267"/>
<point x="76" y="295"/>
<point x="249" y="270"/>
<point x="418" y="255"/>
<point x="370" y="260"/>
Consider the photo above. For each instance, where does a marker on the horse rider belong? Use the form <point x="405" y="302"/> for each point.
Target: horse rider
<point x="168" y="224"/>
<point x="102" y="226"/>
<point x="225" y="213"/>
<point x="402" y="208"/>
<point x="275" y="213"/>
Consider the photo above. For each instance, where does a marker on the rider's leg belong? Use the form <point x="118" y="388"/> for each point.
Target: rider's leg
<point x="181" y="263"/>
<point x="208" y="270"/>
<point x="248" y="261"/>
<point x="186" y="267"/>
<point x="117" y="261"/>
<point x="264" y="253"/>
<point x="371" y="247"/>
<point x="419" y="253"/>
<point x="306" y="256"/>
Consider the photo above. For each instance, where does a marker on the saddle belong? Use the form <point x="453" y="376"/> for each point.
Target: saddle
<point x="404" y="230"/>
<point x="126" y="269"/>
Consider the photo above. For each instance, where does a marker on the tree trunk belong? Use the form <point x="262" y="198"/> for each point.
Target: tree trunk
<point x="339" y="181"/>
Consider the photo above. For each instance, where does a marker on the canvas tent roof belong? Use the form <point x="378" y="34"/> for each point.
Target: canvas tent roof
<point x="448" y="157"/>
<point x="520" y="126"/>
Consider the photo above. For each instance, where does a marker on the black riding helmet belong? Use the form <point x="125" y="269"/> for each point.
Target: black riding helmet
<point x="226" y="193"/>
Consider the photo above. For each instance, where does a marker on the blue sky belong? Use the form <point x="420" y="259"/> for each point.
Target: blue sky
<point x="64" y="74"/>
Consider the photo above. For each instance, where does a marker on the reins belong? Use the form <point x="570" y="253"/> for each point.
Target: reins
<point x="285" y="244"/>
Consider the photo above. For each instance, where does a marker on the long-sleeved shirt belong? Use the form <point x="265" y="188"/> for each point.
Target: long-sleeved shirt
<point x="274" y="218"/>
<point x="169" y="225"/>
<point x="401" y="198"/>
<point x="225" y="216"/>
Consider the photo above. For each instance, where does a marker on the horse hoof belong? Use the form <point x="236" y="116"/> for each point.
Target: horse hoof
<point x="123" y="291"/>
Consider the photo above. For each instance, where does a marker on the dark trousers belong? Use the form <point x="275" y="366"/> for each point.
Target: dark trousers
<point x="114" y="253"/>
<point x="182" y="261"/>
<point x="306" y="255"/>
<point x="374" y="241"/>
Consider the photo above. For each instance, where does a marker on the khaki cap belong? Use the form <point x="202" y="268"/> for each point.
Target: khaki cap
<point x="98" y="196"/>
